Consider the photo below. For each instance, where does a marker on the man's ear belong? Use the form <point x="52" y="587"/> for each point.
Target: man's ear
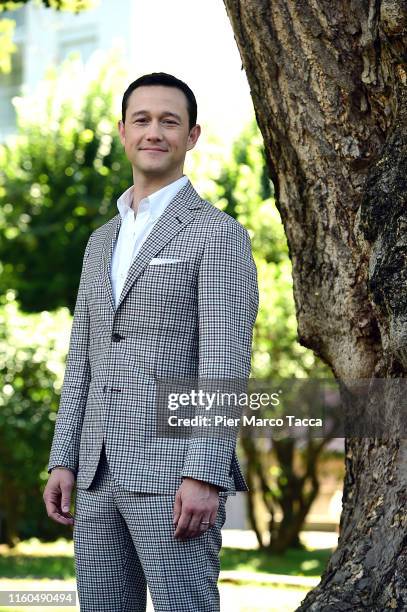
<point x="120" y="127"/>
<point x="194" y="134"/>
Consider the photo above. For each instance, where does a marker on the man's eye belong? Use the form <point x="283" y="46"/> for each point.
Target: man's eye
<point x="169" y="122"/>
<point x="140" y="121"/>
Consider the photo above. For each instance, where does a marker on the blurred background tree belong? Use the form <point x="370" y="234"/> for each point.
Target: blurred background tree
<point x="60" y="176"/>
<point x="7" y="24"/>
<point x="32" y="349"/>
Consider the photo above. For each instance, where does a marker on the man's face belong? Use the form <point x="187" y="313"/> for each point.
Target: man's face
<point x="156" y="133"/>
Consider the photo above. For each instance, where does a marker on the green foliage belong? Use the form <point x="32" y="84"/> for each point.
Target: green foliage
<point x="32" y="348"/>
<point x="73" y="6"/>
<point x="7" y="46"/>
<point x="61" y="176"/>
<point x="7" y="26"/>
<point x="11" y="5"/>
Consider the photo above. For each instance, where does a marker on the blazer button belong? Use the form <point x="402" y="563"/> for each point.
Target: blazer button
<point x="117" y="337"/>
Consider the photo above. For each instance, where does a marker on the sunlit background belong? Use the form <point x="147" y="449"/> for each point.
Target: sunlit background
<point x="191" y="39"/>
<point x="62" y="169"/>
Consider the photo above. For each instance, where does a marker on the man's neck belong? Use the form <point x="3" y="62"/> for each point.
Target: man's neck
<point x="144" y="186"/>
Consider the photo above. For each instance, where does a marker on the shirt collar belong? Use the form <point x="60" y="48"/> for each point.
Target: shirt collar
<point x="156" y="202"/>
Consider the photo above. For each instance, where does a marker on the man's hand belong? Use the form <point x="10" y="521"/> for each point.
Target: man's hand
<point x="57" y="495"/>
<point x="195" y="508"/>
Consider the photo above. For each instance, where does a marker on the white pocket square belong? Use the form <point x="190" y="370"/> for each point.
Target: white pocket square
<point x="157" y="261"/>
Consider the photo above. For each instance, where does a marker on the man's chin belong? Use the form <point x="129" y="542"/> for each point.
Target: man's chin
<point x="157" y="171"/>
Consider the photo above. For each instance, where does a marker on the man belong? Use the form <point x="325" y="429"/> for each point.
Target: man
<point x="168" y="289"/>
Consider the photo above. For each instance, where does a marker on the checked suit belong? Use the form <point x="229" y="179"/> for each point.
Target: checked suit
<point x="192" y="316"/>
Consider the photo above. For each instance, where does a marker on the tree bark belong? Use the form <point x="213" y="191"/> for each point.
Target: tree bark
<point x="328" y="82"/>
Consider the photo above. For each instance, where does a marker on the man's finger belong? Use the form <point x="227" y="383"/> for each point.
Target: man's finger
<point x="183" y="523"/>
<point x="177" y="509"/>
<point x="213" y="515"/>
<point x="66" y="497"/>
<point x="205" y="523"/>
<point x="54" y="513"/>
<point x="59" y="518"/>
<point x="194" y="527"/>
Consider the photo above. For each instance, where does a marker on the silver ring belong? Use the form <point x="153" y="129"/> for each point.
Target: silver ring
<point x="205" y="522"/>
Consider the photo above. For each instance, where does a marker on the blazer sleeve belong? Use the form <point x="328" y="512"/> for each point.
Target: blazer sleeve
<point x="74" y="393"/>
<point x="227" y="309"/>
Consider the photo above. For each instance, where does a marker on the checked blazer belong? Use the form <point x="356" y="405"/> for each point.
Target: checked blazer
<point x="190" y="317"/>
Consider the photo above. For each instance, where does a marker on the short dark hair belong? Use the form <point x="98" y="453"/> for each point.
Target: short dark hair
<point x="162" y="78"/>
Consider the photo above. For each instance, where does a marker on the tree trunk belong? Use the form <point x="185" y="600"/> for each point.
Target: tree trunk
<point x="10" y="511"/>
<point x="328" y="82"/>
<point x="297" y="491"/>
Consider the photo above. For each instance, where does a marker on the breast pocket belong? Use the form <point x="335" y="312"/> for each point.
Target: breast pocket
<point x="168" y="283"/>
<point x="168" y="275"/>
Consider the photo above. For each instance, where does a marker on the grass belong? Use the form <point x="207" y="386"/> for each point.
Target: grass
<point x="293" y="562"/>
<point x="22" y="566"/>
<point x="33" y="559"/>
<point x="236" y="597"/>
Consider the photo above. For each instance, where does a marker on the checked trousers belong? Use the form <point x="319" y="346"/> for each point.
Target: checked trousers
<point x="124" y="541"/>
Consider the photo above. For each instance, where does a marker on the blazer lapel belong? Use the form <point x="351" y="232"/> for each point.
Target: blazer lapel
<point x="179" y="212"/>
<point x="107" y="254"/>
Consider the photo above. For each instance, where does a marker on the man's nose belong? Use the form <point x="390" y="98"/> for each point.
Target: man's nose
<point x="154" y="131"/>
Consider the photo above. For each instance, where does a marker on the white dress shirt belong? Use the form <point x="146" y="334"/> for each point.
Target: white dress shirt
<point x="135" y="228"/>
